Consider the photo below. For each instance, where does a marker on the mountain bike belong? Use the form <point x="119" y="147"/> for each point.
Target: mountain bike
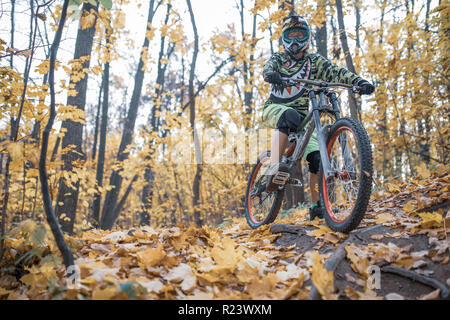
<point x="345" y="171"/>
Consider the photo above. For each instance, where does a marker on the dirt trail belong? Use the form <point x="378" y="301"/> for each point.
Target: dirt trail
<point x="400" y="251"/>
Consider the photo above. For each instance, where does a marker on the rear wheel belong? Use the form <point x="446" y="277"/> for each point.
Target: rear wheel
<point x="261" y="207"/>
<point x="345" y="196"/>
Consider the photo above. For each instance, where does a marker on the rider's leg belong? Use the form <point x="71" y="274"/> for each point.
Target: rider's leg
<point x="278" y="145"/>
<point x="288" y="122"/>
<point x="313" y="159"/>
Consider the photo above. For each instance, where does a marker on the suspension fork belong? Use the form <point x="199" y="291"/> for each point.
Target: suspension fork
<point x="342" y="138"/>
<point x="321" y="135"/>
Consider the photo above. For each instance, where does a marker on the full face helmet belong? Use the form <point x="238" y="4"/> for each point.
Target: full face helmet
<point x="295" y="34"/>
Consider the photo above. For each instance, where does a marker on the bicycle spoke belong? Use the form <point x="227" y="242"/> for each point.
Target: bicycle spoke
<point x="343" y="189"/>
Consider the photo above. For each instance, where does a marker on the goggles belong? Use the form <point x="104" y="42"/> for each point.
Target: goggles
<point x="298" y="33"/>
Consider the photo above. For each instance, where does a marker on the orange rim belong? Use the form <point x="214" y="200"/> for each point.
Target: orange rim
<point x="249" y="202"/>
<point x="324" y="182"/>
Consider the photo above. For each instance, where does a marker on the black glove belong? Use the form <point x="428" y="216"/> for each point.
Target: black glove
<point x="366" y="86"/>
<point x="273" y="77"/>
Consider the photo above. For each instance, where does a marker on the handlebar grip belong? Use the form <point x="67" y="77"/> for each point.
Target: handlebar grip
<point x="356" y="89"/>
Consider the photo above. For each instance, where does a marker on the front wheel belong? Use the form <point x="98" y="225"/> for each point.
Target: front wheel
<point x="345" y="196"/>
<point x="261" y="207"/>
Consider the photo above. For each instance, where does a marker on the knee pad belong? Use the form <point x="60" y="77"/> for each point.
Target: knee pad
<point x="289" y="121"/>
<point x="313" y="159"/>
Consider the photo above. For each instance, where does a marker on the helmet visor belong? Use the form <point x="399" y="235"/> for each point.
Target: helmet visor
<point x="298" y="33"/>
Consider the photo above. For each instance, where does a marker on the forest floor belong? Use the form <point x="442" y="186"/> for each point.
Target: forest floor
<point x="400" y="251"/>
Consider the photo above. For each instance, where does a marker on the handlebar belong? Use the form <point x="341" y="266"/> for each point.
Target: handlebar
<point x="321" y="84"/>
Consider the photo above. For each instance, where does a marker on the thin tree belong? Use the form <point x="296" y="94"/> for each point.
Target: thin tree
<point x="51" y="217"/>
<point x="247" y="67"/>
<point x="108" y="216"/>
<point x="15" y="122"/>
<point x="97" y="118"/>
<point x="198" y="157"/>
<point x="321" y="33"/>
<point x="147" y="190"/>
<point x="102" y="142"/>
<point x="348" y="57"/>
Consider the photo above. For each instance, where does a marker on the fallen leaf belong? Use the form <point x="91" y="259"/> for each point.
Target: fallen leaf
<point x="226" y="255"/>
<point x="323" y="279"/>
<point x="151" y="256"/>
<point x="201" y="295"/>
<point x="433" y="295"/>
<point x="4" y="291"/>
<point x="382" y="218"/>
<point x="261" y="289"/>
<point x="357" y="295"/>
<point x="184" y="274"/>
<point x="377" y="236"/>
<point x="103" y="294"/>
<point x="423" y="171"/>
<point x="292" y="271"/>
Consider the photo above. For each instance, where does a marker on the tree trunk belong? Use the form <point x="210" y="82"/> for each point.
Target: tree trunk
<point x="122" y="201"/>
<point x="102" y="144"/>
<point x="13" y="7"/>
<point x="357" y="6"/>
<point x="107" y="219"/>
<point x="97" y="118"/>
<point x="198" y="174"/>
<point x="51" y="217"/>
<point x="68" y="195"/>
<point x="321" y="34"/>
<point x="348" y="58"/>
<point x="147" y="190"/>
<point x="6" y="183"/>
<point x="248" y="74"/>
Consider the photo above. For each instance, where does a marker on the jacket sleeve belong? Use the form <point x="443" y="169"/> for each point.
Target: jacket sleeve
<point x="271" y="65"/>
<point x="329" y="72"/>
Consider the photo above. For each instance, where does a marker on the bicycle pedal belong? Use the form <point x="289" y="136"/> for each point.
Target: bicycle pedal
<point x="280" y="178"/>
<point x="295" y="182"/>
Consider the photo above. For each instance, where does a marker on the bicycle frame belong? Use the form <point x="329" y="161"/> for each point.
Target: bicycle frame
<point x="317" y="106"/>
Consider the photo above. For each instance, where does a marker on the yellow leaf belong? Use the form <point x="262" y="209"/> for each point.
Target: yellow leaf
<point x="3" y="291"/>
<point x="33" y="279"/>
<point x="15" y="150"/>
<point x="320" y="231"/>
<point x="323" y="279"/>
<point x="367" y="295"/>
<point x="409" y="207"/>
<point x="25" y="53"/>
<point x="261" y="288"/>
<point x="103" y="294"/>
<point x="431" y="218"/>
<point x="87" y="21"/>
<point x="382" y="218"/>
<point x="228" y="257"/>
<point x="423" y="171"/>
<point x="151" y="256"/>
<point x="360" y="262"/>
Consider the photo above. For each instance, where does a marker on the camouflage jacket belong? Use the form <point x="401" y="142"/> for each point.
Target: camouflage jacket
<point x="312" y="66"/>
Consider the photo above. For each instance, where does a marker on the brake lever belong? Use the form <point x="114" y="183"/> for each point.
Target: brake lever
<point x="356" y="89"/>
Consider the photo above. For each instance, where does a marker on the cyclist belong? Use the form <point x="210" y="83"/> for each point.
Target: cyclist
<point x="287" y="106"/>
